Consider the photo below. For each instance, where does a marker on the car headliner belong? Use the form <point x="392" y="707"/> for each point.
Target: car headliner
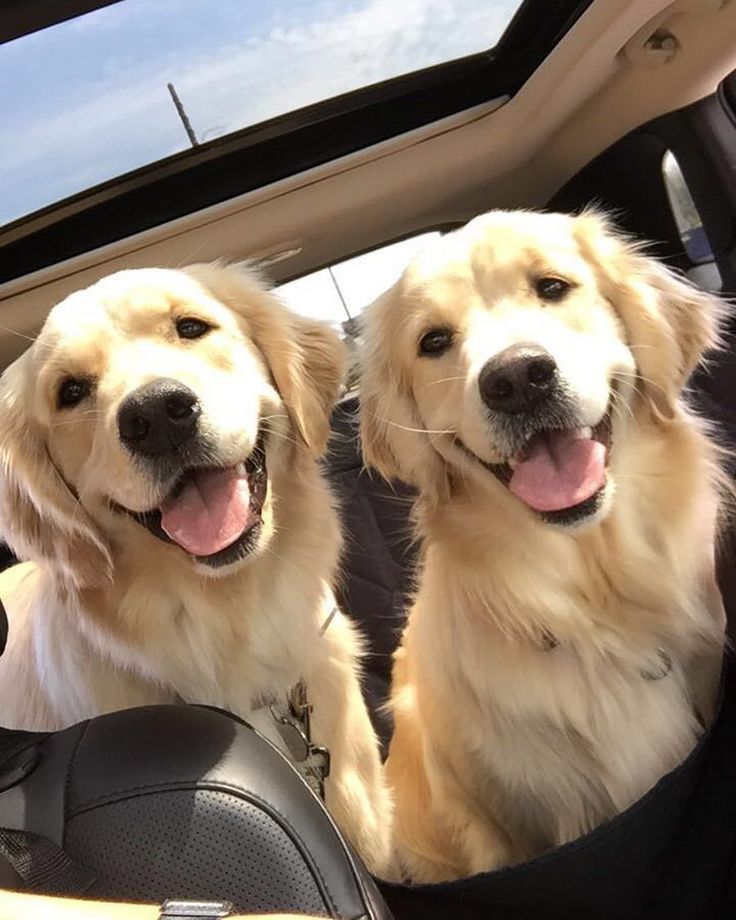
<point x="601" y="80"/>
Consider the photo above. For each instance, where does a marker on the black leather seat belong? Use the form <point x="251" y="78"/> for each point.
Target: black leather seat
<point x="179" y="802"/>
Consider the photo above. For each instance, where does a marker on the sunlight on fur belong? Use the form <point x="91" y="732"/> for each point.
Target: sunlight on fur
<point x="159" y="469"/>
<point x="563" y="649"/>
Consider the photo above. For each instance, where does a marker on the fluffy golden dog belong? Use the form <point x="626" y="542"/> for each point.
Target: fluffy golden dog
<point x="159" y="446"/>
<point x="563" y="648"/>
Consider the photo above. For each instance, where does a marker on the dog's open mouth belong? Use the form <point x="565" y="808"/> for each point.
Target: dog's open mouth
<point x="560" y="473"/>
<point x="213" y="513"/>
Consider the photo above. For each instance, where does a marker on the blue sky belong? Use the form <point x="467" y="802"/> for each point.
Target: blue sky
<point x="87" y="100"/>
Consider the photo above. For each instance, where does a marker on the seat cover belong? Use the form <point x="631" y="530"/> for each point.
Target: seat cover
<point x="671" y="856"/>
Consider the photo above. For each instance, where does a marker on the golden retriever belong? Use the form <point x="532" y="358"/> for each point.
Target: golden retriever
<point x="564" y="645"/>
<point x="159" y="445"/>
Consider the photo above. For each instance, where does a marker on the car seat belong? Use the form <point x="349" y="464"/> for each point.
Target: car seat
<point x="180" y="802"/>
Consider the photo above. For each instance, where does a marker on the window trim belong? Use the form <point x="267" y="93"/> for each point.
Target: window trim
<point x="22" y="17"/>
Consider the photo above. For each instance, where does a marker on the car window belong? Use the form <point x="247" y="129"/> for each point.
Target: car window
<point x="92" y="98"/>
<point x="704" y="271"/>
<point x="340" y="292"/>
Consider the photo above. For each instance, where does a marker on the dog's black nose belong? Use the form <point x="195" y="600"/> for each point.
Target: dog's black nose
<point x="517" y="379"/>
<point x="158" y="418"/>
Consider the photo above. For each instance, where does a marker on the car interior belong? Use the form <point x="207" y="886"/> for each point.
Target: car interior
<point x="627" y="105"/>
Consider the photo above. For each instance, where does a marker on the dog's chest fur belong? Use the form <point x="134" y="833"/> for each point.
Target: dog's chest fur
<point x="229" y="646"/>
<point x="230" y="641"/>
<point x="572" y="742"/>
<point x="551" y="715"/>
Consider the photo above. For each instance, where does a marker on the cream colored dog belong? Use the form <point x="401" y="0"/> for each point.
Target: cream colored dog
<point x="159" y="446"/>
<point x="564" y="645"/>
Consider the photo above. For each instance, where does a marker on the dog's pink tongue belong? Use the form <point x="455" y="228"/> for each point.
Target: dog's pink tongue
<point x="560" y="470"/>
<point x="210" y="513"/>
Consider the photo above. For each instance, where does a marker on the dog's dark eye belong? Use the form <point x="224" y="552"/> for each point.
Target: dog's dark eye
<point x="551" y="288"/>
<point x="435" y="342"/>
<point x="72" y="391"/>
<point x="188" y="328"/>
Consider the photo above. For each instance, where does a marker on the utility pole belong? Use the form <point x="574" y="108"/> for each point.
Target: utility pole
<point x="183" y="115"/>
<point x="339" y="292"/>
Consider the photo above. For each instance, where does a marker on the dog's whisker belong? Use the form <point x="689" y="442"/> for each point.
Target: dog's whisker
<point x="633" y="379"/>
<point x="189" y="258"/>
<point x="272" y="552"/>
<point x="434" y="383"/>
<point x="20" y="335"/>
<point x="66" y="423"/>
<point x="276" y="418"/>
<point x="618" y="403"/>
<point x="628" y="376"/>
<point x="427" y="445"/>
<point x="284" y="436"/>
<point x="62" y="422"/>
<point x="618" y="414"/>
<point x="387" y="421"/>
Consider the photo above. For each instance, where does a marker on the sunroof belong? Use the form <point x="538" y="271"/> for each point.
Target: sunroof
<point x="92" y="98"/>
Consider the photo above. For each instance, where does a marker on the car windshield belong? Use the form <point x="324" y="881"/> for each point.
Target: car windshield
<point x="94" y="97"/>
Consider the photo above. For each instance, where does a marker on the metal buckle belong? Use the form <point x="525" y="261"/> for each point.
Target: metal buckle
<point x="293" y="736"/>
<point x="296" y="731"/>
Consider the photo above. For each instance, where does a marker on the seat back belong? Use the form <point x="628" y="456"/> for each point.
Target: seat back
<point x="182" y="802"/>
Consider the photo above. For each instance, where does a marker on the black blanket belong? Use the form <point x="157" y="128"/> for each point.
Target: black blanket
<point x="671" y="856"/>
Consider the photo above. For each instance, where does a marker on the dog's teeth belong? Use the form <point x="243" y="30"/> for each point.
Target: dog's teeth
<point x="240" y="469"/>
<point x="513" y="464"/>
<point x="585" y="433"/>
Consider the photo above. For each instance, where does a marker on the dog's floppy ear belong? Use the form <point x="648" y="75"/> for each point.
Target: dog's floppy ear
<point x="669" y="322"/>
<point x="40" y="518"/>
<point x="309" y="367"/>
<point x="394" y="441"/>
<point x="308" y="360"/>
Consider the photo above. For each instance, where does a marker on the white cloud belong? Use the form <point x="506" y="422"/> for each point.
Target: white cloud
<point x="294" y="67"/>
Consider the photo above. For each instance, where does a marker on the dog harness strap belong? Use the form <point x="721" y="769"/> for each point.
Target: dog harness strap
<point x="19" y="755"/>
